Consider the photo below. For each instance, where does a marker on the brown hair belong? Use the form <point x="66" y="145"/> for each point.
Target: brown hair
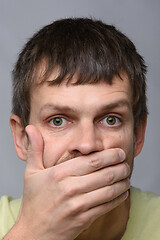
<point x="91" y="49"/>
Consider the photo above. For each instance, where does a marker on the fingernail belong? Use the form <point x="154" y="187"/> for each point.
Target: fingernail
<point x="121" y="154"/>
<point x="127" y="165"/>
<point x="126" y="195"/>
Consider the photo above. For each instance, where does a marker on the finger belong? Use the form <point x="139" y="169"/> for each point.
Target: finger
<point x="35" y="148"/>
<point x="101" y="178"/>
<point x="87" y="164"/>
<point x="92" y="214"/>
<point x="105" y="194"/>
<point x="85" y="202"/>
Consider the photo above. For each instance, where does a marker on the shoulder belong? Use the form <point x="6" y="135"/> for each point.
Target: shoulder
<point x="144" y="216"/>
<point x="9" y="209"/>
<point x="142" y="200"/>
<point x="146" y="204"/>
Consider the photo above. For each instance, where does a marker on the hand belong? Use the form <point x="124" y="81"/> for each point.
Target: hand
<point x="60" y="202"/>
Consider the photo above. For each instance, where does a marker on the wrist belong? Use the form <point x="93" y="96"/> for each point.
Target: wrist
<point x="19" y="232"/>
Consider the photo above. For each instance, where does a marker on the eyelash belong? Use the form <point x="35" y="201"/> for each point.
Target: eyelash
<point x="117" y="121"/>
<point x="64" y="121"/>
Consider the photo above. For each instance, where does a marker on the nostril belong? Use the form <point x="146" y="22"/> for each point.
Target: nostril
<point x="76" y="153"/>
<point x="93" y="152"/>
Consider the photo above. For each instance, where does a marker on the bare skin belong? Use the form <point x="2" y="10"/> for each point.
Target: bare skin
<point x="74" y="206"/>
<point x="78" y="162"/>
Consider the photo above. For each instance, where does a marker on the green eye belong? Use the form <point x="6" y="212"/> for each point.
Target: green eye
<point x="58" y="121"/>
<point x="111" y="120"/>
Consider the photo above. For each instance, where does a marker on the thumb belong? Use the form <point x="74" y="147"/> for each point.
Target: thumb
<point x="35" y="148"/>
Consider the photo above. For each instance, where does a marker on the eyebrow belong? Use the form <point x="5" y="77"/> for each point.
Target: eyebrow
<point x="117" y="104"/>
<point x="67" y="109"/>
<point x="57" y="107"/>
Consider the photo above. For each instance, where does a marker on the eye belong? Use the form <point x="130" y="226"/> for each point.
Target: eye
<point x="58" y="121"/>
<point x="111" y="120"/>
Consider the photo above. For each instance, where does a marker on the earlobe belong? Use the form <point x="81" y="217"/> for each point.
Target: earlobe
<point x="19" y="137"/>
<point x="139" y="137"/>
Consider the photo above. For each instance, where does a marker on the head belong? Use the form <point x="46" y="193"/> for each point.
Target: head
<point x="91" y="49"/>
<point x="83" y="68"/>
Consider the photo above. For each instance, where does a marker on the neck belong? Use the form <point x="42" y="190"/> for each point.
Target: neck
<point x="110" y="226"/>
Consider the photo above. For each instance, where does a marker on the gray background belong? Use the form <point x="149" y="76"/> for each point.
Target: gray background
<point x="139" y="19"/>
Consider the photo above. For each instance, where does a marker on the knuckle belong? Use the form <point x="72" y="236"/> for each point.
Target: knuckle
<point x="76" y="207"/>
<point x="84" y="221"/>
<point x="95" y="162"/>
<point x="110" y="193"/>
<point x="70" y="190"/>
<point x="110" y="176"/>
<point x="55" y="176"/>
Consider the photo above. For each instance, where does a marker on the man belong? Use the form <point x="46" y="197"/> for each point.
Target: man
<point x="79" y="119"/>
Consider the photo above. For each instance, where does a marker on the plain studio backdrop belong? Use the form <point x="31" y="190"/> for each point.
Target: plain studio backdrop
<point x="138" y="19"/>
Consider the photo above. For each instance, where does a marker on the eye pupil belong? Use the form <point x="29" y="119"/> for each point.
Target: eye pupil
<point x="111" y="120"/>
<point x="57" y="121"/>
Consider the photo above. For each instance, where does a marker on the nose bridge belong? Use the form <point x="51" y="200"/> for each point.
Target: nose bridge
<point x="87" y="139"/>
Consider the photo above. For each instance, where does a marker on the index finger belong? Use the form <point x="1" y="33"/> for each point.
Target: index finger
<point x="87" y="164"/>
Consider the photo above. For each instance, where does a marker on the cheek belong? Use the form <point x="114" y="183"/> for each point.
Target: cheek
<point x="124" y="140"/>
<point x="54" y="149"/>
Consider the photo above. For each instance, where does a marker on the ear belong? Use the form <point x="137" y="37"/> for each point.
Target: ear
<point x="139" y="137"/>
<point x="19" y="137"/>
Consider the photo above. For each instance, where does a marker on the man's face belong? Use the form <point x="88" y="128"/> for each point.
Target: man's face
<point x="77" y="120"/>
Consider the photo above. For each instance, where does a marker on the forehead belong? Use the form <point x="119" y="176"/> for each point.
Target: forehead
<point x="87" y="96"/>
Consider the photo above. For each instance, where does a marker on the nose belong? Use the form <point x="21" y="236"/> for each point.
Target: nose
<point x="86" y="140"/>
